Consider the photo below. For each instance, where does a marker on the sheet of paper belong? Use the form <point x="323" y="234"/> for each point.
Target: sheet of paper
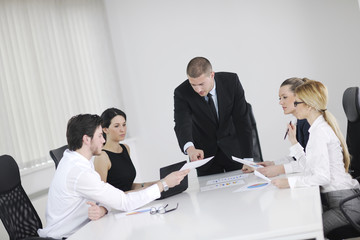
<point x="260" y="175"/>
<point x="195" y="164"/>
<point x="253" y="186"/>
<point x="250" y="163"/>
<point x="247" y="161"/>
<point x="227" y="179"/>
<point x="222" y="185"/>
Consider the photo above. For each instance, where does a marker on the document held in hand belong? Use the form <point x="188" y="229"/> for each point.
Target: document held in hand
<point x="252" y="164"/>
<point x="195" y="164"/>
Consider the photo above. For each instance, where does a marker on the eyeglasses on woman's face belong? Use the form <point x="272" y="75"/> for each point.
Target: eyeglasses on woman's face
<point x="297" y="103"/>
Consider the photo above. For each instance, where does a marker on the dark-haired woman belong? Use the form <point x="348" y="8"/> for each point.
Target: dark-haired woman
<point x="114" y="163"/>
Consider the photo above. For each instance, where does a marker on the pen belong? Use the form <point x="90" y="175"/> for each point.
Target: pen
<point x="138" y="211"/>
<point x="287" y="131"/>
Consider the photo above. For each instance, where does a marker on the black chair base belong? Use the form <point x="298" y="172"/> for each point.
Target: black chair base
<point x="343" y="233"/>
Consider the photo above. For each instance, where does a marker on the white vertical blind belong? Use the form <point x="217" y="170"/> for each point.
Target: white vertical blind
<point x="56" y="61"/>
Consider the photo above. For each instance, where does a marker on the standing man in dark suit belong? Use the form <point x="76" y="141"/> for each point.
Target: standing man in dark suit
<point x="211" y="118"/>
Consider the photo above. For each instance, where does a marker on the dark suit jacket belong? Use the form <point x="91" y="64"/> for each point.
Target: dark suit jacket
<point x="302" y="132"/>
<point x="195" y="123"/>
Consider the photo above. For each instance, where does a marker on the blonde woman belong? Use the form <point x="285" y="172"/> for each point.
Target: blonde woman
<point x="326" y="160"/>
<point x="286" y="101"/>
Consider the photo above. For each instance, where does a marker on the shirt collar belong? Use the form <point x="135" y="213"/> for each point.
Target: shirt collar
<point x="213" y="90"/>
<point x="320" y="119"/>
<point x="79" y="158"/>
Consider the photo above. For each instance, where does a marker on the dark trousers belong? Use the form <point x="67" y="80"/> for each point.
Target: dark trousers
<point x="219" y="164"/>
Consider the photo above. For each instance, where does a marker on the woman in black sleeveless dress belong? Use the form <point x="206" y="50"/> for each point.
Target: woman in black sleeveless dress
<point x="114" y="164"/>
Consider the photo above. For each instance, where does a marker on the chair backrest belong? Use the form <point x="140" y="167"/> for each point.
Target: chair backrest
<point x="57" y="154"/>
<point x="351" y="104"/>
<point x="256" y="142"/>
<point x="17" y="213"/>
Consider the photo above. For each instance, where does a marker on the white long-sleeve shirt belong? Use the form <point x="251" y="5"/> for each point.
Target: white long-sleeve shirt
<point x="76" y="182"/>
<point x="322" y="165"/>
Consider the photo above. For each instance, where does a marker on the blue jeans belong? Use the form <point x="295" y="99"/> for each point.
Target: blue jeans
<point x="332" y="215"/>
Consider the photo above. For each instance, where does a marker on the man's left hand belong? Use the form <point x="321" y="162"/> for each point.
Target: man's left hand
<point x="95" y="212"/>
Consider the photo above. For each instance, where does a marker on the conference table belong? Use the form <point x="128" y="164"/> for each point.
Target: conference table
<point x="230" y="205"/>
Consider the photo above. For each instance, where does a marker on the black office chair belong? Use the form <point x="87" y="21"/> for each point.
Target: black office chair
<point x="256" y="142"/>
<point x="348" y="231"/>
<point x="351" y="104"/>
<point x="57" y="154"/>
<point x="17" y="213"/>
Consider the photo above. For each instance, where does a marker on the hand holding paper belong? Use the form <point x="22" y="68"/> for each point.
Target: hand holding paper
<point x="253" y="165"/>
<point x="196" y="164"/>
<point x="260" y="175"/>
<point x="247" y="161"/>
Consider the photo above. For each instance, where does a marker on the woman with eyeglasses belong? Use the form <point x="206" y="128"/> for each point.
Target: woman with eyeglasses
<point x="326" y="161"/>
<point x="286" y="100"/>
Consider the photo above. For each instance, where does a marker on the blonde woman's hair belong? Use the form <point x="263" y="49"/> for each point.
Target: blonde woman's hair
<point x="315" y="95"/>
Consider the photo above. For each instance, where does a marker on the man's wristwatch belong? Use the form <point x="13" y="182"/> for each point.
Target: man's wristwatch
<point x="165" y="186"/>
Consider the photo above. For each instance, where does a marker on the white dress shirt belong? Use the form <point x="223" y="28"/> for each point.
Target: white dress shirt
<point x="322" y="165"/>
<point x="75" y="182"/>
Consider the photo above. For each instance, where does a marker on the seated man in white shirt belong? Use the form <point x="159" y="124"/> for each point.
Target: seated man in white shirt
<point x="77" y="187"/>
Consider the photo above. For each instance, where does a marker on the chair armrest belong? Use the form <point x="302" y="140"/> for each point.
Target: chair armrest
<point x="341" y="205"/>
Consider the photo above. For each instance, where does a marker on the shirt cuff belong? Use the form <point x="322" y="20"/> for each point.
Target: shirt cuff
<point x="296" y="151"/>
<point x="283" y="160"/>
<point x="187" y="145"/>
<point x="154" y="191"/>
<point x="292" y="181"/>
<point x="106" y="207"/>
<point x="288" y="168"/>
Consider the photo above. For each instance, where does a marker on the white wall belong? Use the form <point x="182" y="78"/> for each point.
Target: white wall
<point x="263" y="41"/>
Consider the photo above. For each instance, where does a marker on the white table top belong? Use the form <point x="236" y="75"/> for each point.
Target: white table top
<point x="267" y="213"/>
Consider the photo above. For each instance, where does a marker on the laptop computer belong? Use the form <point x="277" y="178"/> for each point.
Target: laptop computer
<point x="164" y="171"/>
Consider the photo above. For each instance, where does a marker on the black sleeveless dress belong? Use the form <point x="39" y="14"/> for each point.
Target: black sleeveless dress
<point x="122" y="172"/>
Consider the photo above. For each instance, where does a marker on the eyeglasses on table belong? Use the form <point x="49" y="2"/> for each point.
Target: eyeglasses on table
<point x="162" y="209"/>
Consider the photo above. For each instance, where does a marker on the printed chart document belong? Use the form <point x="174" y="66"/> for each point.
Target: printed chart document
<point x="222" y="185"/>
<point x="254" y="186"/>
<point x="195" y="164"/>
<point x="227" y="179"/>
<point x="249" y="162"/>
